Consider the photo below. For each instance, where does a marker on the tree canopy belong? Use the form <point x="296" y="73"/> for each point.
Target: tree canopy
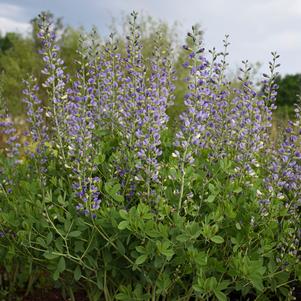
<point x="289" y="89"/>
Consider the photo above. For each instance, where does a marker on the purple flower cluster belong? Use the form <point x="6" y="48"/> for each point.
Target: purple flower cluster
<point x="38" y="130"/>
<point x="284" y="178"/>
<point x="193" y="131"/>
<point x="142" y="104"/>
<point x="283" y="184"/>
<point x="80" y="126"/>
<point x="230" y="122"/>
<point x="54" y="83"/>
<point x="71" y="117"/>
<point x="248" y="120"/>
<point x="11" y="141"/>
<point x="109" y="81"/>
<point x="125" y="95"/>
<point x="152" y="117"/>
<point x="8" y="129"/>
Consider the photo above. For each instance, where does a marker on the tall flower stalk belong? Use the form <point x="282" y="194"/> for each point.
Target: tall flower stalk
<point x="283" y="186"/>
<point x="54" y="83"/>
<point x="9" y="131"/>
<point x="81" y="125"/>
<point x="110" y="85"/>
<point x="11" y="141"/>
<point x="38" y="130"/>
<point x="192" y="133"/>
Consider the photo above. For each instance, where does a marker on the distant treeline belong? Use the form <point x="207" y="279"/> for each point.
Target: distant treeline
<point x="19" y="57"/>
<point x="289" y="88"/>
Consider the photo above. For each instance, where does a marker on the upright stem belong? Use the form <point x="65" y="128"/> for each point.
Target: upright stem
<point x="182" y="183"/>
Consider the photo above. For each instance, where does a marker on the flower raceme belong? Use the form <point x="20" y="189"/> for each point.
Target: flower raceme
<point x="228" y="121"/>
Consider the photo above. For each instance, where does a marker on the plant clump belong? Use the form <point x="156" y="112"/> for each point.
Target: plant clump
<point x="104" y="196"/>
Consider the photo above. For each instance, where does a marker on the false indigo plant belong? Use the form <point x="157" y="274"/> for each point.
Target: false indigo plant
<point x="124" y="208"/>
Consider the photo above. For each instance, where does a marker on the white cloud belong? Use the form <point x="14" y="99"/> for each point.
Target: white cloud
<point x="10" y="25"/>
<point x="10" y="10"/>
<point x="11" y="19"/>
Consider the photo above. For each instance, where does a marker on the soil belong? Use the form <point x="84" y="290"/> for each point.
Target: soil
<point x="51" y="295"/>
<point x="39" y="295"/>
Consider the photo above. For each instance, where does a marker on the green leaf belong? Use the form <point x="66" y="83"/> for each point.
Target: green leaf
<point x="210" y="284"/>
<point x="113" y="189"/>
<point x="237" y="190"/>
<point x="256" y="280"/>
<point x="217" y="239"/>
<point x="77" y="273"/>
<point x="165" y="249"/>
<point x="117" y="197"/>
<point x="168" y="252"/>
<point x="49" y="238"/>
<point x="123" y="225"/>
<point x="238" y="226"/>
<point x="74" y="234"/>
<point x="123" y="214"/>
<point x="201" y="259"/>
<point x="56" y="275"/>
<point x="61" y="200"/>
<point x="41" y="242"/>
<point x="223" y="285"/>
<point x="220" y="295"/>
<point x="50" y="256"/>
<point x="198" y="288"/>
<point x="144" y="211"/>
<point x="141" y="259"/>
<point x="255" y="271"/>
<point x="140" y="249"/>
<point x="163" y="282"/>
<point x="123" y="297"/>
<point x="61" y="266"/>
<point x="182" y="237"/>
<point x="229" y="210"/>
<point x="210" y="199"/>
<point x="120" y="247"/>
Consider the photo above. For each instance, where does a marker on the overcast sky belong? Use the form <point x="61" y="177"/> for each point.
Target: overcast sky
<point x="256" y="27"/>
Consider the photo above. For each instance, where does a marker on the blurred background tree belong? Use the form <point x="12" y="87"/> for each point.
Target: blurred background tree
<point x="289" y="88"/>
<point x="18" y="58"/>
